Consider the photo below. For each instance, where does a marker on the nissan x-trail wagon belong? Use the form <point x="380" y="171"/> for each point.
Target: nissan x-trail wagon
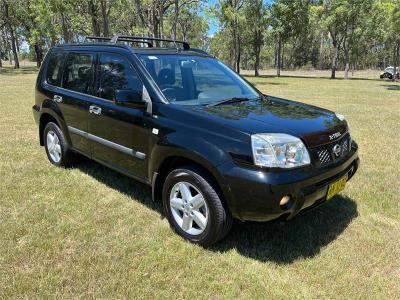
<point x="212" y="147"/>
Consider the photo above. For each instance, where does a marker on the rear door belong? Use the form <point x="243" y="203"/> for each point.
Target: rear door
<point x="118" y="134"/>
<point x="74" y="96"/>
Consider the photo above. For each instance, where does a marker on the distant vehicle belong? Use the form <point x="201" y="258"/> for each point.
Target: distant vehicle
<point x="388" y="73"/>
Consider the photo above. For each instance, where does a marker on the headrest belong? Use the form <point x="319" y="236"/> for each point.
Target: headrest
<point x="166" y="76"/>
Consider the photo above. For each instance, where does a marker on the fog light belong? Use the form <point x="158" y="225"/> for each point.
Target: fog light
<point x="285" y="202"/>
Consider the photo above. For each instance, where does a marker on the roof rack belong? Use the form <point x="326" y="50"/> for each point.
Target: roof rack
<point x="146" y="40"/>
<point x="96" y="38"/>
<point x="133" y="40"/>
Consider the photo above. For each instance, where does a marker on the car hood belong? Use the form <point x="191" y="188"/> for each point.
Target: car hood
<point x="315" y="126"/>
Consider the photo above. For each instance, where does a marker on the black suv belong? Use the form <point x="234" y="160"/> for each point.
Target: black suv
<point x="212" y="147"/>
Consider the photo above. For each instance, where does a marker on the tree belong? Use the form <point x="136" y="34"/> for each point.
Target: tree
<point x="256" y="21"/>
<point x="231" y="17"/>
<point x="9" y="19"/>
<point x="288" y="19"/>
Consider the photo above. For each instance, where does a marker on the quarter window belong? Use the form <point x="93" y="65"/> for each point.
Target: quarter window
<point x="116" y="73"/>
<point x="53" y="74"/>
<point x="78" y="74"/>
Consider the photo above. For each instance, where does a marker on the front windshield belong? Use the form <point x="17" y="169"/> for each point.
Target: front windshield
<point x="195" y="80"/>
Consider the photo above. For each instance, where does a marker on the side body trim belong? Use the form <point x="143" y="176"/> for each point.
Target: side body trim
<point x="115" y="146"/>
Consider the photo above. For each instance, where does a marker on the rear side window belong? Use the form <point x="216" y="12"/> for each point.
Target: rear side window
<point x="78" y="72"/>
<point x="54" y="68"/>
<point x="116" y="73"/>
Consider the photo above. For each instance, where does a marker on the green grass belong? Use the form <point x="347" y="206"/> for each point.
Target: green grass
<point x="90" y="232"/>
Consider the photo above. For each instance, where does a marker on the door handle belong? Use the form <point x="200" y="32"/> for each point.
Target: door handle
<point x="57" y="98"/>
<point x="95" y="109"/>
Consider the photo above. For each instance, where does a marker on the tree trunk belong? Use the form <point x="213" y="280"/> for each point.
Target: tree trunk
<point x="14" y="48"/>
<point x="175" y="20"/>
<point x="139" y="11"/>
<point x="321" y="52"/>
<point x="38" y="53"/>
<point x="155" y="23"/>
<point x="346" y="62"/>
<point x="334" y="60"/>
<point x="16" y="42"/>
<point x="12" y="36"/>
<point x="279" y="56"/>
<point x="65" y="29"/>
<point x="257" y="54"/>
<point x="104" y="14"/>
<point x="161" y="22"/>
<point x="238" y="54"/>
<point x="94" y="18"/>
<point x="396" y="60"/>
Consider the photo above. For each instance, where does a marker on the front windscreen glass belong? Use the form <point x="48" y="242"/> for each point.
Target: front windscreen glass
<point x="194" y="80"/>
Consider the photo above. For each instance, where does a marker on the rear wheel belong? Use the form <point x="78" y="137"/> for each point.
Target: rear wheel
<point x="57" y="148"/>
<point x="194" y="208"/>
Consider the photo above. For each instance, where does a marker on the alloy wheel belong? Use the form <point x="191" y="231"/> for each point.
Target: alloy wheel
<point x="189" y="208"/>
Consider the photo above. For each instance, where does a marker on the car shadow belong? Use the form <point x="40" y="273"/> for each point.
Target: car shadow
<point x="392" y="87"/>
<point x="132" y="188"/>
<point x="301" y="237"/>
<point x="277" y="241"/>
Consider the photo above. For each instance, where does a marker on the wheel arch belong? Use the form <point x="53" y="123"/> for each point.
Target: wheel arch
<point x="49" y="116"/>
<point x="173" y="162"/>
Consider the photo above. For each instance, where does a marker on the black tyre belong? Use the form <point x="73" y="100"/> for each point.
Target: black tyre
<point x="194" y="208"/>
<point x="57" y="148"/>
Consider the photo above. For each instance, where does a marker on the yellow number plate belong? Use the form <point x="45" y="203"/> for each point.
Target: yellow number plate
<point x="336" y="187"/>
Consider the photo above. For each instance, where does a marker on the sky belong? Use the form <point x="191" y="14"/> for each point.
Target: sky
<point x="213" y="23"/>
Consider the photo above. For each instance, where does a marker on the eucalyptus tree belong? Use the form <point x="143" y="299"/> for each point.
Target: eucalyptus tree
<point x="256" y="20"/>
<point x="7" y="9"/>
<point x="231" y="18"/>
<point x="288" y="19"/>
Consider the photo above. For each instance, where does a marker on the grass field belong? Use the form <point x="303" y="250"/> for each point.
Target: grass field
<point x="90" y="232"/>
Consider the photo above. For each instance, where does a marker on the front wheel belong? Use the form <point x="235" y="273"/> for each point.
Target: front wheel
<point x="194" y="208"/>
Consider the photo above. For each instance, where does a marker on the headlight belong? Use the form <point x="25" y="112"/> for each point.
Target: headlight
<point x="279" y="150"/>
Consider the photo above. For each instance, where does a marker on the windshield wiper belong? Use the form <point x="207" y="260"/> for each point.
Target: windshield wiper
<point x="229" y="100"/>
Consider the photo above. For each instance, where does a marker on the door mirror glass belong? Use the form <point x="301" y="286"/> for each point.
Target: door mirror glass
<point x="129" y="98"/>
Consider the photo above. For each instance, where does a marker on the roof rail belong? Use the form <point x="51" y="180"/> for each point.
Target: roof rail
<point x="97" y="38"/>
<point x="132" y="39"/>
<point x="140" y="39"/>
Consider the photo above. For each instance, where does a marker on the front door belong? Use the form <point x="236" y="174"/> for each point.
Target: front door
<point x="118" y="134"/>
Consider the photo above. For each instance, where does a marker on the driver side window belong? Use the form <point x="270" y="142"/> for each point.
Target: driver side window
<point x="116" y="73"/>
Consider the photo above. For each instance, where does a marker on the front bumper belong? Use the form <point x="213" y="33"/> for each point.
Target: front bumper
<point x="254" y="194"/>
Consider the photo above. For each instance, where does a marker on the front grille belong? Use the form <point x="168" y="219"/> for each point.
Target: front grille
<point x="331" y="152"/>
<point x="323" y="156"/>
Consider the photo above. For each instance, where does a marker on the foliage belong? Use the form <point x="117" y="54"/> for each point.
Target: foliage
<point x="252" y="34"/>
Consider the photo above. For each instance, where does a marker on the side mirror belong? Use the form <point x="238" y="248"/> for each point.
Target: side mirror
<point x="129" y="98"/>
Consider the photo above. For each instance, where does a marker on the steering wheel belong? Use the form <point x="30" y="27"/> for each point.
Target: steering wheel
<point x="170" y="92"/>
